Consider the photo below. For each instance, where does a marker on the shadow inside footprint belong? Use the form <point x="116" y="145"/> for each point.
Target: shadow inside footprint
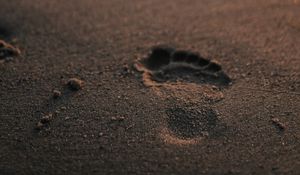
<point x="159" y="57"/>
<point x="6" y="31"/>
<point x="188" y="124"/>
<point x="168" y="64"/>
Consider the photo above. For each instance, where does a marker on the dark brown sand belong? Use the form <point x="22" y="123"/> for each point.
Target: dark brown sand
<point x="177" y="123"/>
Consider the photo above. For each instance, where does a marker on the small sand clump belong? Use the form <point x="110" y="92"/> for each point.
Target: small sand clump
<point x="75" y="84"/>
<point x="118" y="118"/>
<point x="279" y="124"/>
<point x="44" y="121"/>
<point x="56" y="94"/>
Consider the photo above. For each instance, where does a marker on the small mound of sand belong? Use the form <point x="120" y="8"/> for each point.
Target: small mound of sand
<point x="56" y="94"/>
<point x="75" y="84"/>
<point x="45" y="120"/>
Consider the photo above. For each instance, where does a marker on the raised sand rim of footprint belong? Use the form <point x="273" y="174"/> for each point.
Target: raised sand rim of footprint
<point x="7" y="51"/>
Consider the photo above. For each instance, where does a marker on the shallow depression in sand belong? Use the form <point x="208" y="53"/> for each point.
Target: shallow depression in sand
<point x="188" y="124"/>
<point x="166" y="64"/>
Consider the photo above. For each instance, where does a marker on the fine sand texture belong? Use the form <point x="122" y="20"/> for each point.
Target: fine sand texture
<point x="150" y="87"/>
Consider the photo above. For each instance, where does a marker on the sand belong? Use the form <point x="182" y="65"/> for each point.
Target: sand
<point x="187" y="121"/>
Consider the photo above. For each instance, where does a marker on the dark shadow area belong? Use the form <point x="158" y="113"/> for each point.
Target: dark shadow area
<point x="6" y="31"/>
<point x="169" y="64"/>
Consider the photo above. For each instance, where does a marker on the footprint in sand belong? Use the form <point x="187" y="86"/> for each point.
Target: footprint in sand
<point x="7" y="51"/>
<point x="187" y="76"/>
<point x="188" y="124"/>
<point x="182" y="73"/>
<point x="167" y="64"/>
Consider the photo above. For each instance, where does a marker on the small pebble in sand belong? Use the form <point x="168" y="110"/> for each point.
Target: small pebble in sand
<point x="75" y="84"/>
<point x="46" y="119"/>
<point x="117" y="118"/>
<point x="43" y="121"/>
<point x="279" y="124"/>
<point x="56" y="94"/>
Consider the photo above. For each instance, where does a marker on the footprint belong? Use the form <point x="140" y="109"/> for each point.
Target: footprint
<point x="188" y="124"/>
<point x="7" y="51"/>
<point x="166" y="64"/>
<point x="188" y="78"/>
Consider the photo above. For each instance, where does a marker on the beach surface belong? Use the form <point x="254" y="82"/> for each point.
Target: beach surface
<point x="150" y="87"/>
